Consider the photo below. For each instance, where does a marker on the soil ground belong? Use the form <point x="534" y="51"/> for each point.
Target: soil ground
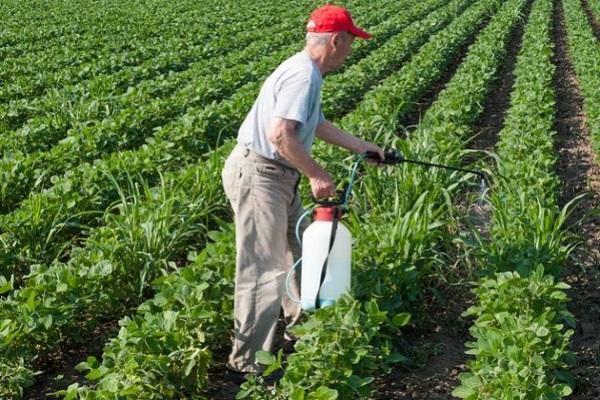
<point x="62" y="372"/>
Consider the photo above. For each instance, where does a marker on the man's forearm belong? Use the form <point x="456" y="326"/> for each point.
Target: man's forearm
<point x="285" y="140"/>
<point x="330" y="133"/>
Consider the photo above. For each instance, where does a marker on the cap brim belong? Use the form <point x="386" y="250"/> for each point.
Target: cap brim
<point x="356" y="31"/>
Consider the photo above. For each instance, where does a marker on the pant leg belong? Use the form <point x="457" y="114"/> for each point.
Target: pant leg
<point x="260" y="203"/>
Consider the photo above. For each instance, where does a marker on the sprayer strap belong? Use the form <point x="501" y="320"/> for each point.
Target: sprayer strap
<point x="334" y="226"/>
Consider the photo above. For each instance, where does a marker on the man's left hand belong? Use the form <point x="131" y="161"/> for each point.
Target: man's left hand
<point x="368" y="146"/>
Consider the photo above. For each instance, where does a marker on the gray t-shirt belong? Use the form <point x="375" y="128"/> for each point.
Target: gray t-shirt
<point x="292" y="91"/>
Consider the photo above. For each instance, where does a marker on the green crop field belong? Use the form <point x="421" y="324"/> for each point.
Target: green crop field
<point x="117" y="248"/>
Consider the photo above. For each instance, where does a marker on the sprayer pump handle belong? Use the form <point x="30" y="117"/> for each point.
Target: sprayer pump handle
<point x="332" y="202"/>
<point x="391" y="157"/>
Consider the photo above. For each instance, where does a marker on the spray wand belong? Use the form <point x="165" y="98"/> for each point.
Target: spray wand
<point x="391" y="157"/>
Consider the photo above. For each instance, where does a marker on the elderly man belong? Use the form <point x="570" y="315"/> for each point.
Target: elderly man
<point x="261" y="178"/>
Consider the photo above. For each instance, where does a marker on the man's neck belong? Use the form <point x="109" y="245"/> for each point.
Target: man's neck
<point x="318" y="56"/>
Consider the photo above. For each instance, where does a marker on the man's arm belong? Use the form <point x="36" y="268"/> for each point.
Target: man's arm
<point x="334" y="135"/>
<point x="283" y="136"/>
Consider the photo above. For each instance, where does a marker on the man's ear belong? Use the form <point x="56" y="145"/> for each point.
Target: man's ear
<point x="336" y="39"/>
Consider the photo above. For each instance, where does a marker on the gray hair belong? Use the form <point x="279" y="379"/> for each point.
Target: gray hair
<point x="318" y="38"/>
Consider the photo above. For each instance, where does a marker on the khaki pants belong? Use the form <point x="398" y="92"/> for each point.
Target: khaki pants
<point x="266" y="205"/>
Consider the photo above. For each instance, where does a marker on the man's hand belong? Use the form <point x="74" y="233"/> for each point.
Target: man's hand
<point x="322" y="185"/>
<point x="368" y="146"/>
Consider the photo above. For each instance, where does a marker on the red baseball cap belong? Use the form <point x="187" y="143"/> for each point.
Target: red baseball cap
<point x="330" y="18"/>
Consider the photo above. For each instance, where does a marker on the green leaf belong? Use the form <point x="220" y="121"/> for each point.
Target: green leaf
<point x="565" y="376"/>
<point x="94" y="374"/>
<point x="396" y="358"/>
<point x="463" y="392"/>
<point x="297" y="394"/>
<point x="542" y="331"/>
<point x="189" y="367"/>
<point x="48" y="321"/>
<point x="400" y="320"/>
<point x="471" y="382"/>
<point x="62" y="287"/>
<point x="265" y="358"/>
<point x="6" y="285"/>
<point x="71" y="392"/>
<point x="565" y="390"/>
<point x="170" y="317"/>
<point x="323" y="393"/>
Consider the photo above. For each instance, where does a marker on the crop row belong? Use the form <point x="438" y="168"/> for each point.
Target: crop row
<point x="98" y="103"/>
<point x="165" y="349"/>
<point x="179" y="54"/>
<point x="62" y="201"/>
<point x="520" y="341"/>
<point x="70" y="202"/>
<point x="113" y="27"/>
<point x="174" y="49"/>
<point x="26" y="59"/>
<point x="212" y="173"/>
<point x="584" y="51"/>
<point x="65" y="21"/>
<point x="595" y="8"/>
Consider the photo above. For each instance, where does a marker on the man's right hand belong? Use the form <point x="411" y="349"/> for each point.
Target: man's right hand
<point x="322" y="185"/>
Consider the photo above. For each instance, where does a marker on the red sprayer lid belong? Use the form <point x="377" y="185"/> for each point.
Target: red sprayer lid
<point x="326" y="213"/>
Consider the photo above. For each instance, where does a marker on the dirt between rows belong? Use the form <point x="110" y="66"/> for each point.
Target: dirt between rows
<point x="61" y="371"/>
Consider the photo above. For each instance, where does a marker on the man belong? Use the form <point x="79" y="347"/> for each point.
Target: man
<point x="261" y="177"/>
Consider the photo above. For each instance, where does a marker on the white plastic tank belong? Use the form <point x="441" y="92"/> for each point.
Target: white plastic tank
<point x="315" y="247"/>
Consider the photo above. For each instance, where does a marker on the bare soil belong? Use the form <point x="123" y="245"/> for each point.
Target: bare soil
<point x="219" y="387"/>
<point x="436" y="348"/>
<point x="580" y="173"/>
<point x="60" y="368"/>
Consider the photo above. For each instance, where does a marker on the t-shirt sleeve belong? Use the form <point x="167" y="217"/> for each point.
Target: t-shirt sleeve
<point x="294" y="101"/>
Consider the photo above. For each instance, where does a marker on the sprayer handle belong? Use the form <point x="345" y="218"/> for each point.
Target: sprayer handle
<point x="391" y="157"/>
<point x="329" y="202"/>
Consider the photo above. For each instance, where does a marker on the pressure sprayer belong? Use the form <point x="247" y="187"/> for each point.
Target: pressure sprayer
<point x="327" y="243"/>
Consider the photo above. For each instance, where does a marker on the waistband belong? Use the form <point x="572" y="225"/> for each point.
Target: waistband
<point x="252" y="155"/>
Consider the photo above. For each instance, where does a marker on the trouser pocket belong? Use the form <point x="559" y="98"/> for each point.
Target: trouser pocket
<point x="230" y="177"/>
